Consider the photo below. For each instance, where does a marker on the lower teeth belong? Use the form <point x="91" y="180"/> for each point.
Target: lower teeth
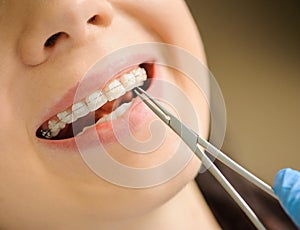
<point x="115" y="114"/>
<point x="110" y="117"/>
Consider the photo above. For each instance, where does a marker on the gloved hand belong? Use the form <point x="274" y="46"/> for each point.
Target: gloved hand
<point x="287" y="188"/>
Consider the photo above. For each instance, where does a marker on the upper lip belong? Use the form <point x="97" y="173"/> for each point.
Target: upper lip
<point x="106" y="69"/>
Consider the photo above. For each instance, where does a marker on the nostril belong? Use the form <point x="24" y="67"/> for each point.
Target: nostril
<point x="94" y="20"/>
<point x="51" y="41"/>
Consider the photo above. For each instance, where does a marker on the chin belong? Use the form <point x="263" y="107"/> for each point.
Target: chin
<point x="125" y="203"/>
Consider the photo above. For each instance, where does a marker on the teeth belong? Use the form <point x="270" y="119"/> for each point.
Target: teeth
<point x="114" y="90"/>
<point x="66" y="117"/>
<point x="96" y="100"/>
<point x="140" y="75"/>
<point x="128" y="81"/>
<point x="115" y="114"/>
<point x="55" y="127"/>
<point x="122" y="109"/>
<point x="84" y="129"/>
<point x="110" y="117"/>
<point x="54" y="133"/>
<point x="79" y="110"/>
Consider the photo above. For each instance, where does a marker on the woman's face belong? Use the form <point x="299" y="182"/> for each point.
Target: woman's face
<point x="46" y="181"/>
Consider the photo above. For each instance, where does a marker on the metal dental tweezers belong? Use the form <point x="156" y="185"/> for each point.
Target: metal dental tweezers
<point x="193" y="141"/>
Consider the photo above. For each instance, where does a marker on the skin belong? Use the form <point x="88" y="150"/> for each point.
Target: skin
<point x="48" y="188"/>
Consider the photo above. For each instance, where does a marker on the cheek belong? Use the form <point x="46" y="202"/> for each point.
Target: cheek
<point x="170" y="20"/>
<point x="23" y="183"/>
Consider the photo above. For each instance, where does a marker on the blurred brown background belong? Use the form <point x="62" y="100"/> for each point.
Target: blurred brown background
<point x="253" y="50"/>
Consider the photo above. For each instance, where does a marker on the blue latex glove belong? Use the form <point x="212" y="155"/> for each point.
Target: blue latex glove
<point x="287" y="188"/>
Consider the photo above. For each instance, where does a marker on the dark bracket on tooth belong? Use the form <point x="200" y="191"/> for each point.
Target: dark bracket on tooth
<point x="46" y="133"/>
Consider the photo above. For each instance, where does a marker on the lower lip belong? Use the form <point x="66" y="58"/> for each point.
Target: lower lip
<point x="136" y="118"/>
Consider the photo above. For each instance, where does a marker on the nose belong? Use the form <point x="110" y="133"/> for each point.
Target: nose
<point x="59" y="25"/>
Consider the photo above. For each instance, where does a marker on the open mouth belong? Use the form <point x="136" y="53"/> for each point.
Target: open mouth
<point x="99" y="107"/>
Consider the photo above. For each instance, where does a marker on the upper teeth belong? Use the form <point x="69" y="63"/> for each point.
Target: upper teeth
<point x="97" y="99"/>
<point x="114" y="90"/>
